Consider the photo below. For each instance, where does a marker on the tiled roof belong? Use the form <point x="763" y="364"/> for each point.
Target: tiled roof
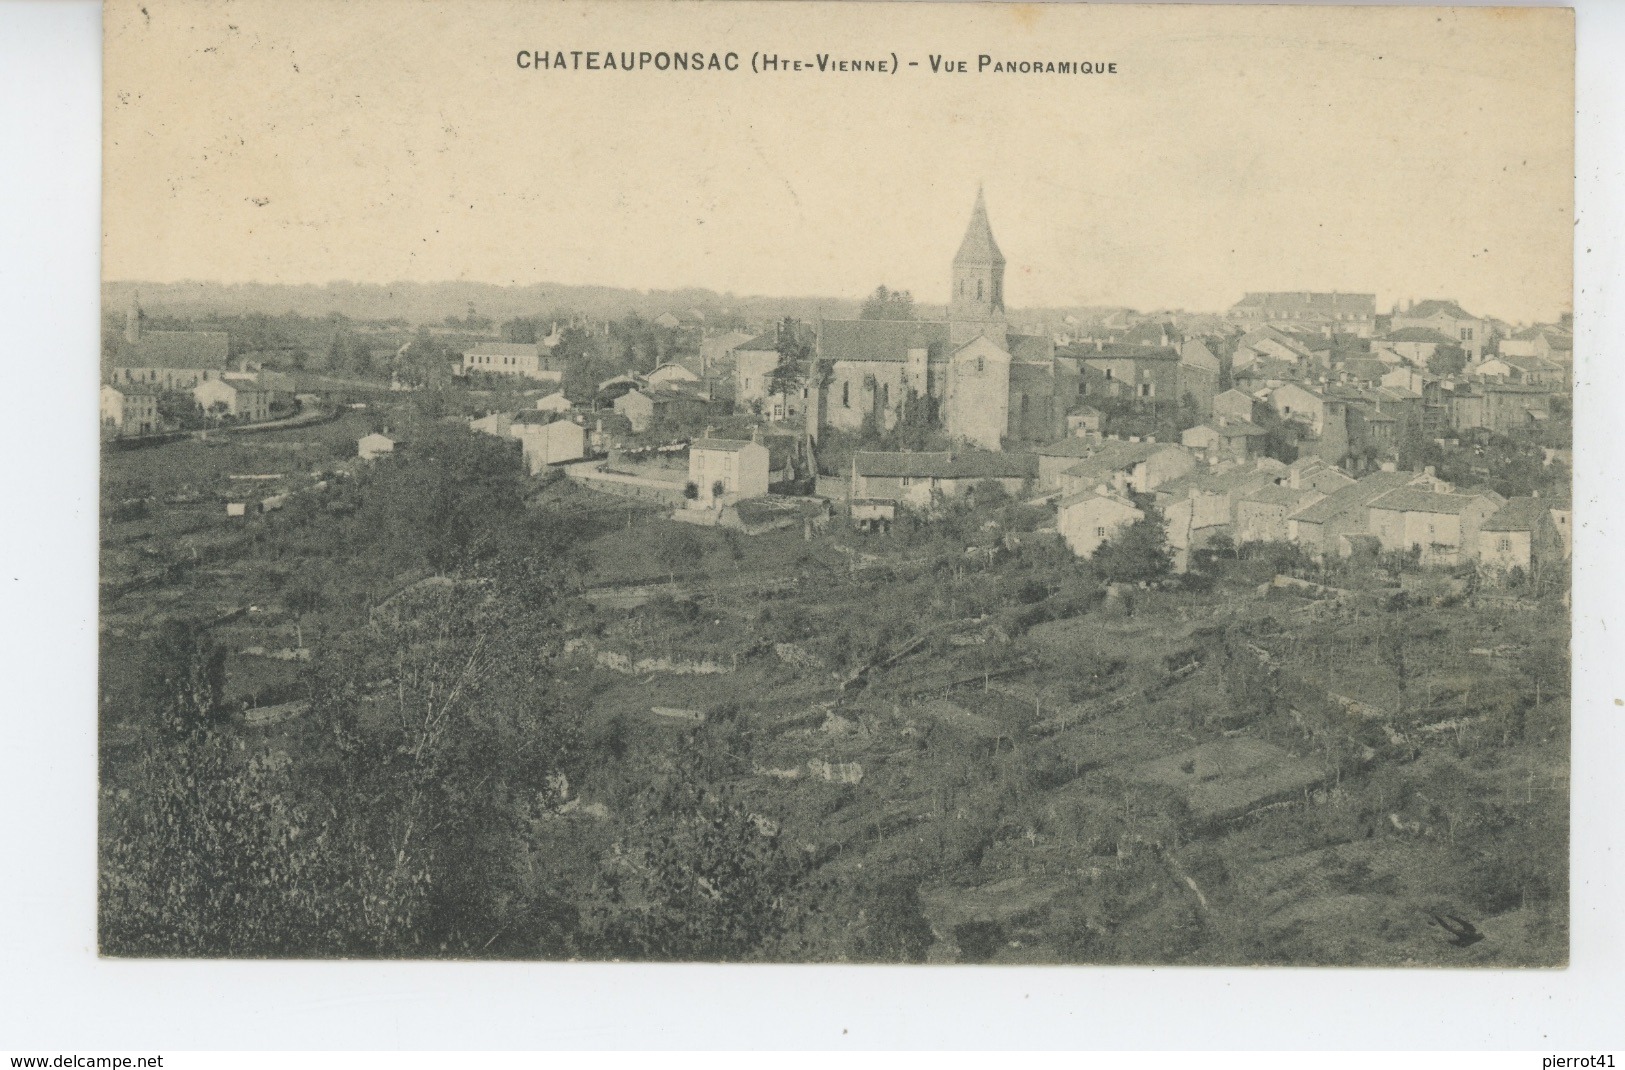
<point x="1081" y="448"/>
<point x="502" y="349"/>
<point x="1518" y="514"/>
<point x="1424" y="309"/>
<point x="175" y="349"/>
<point x="1417" y="500"/>
<point x="1208" y="480"/>
<point x="721" y="445"/>
<point x="1079" y="498"/>
<point x="764" y="342"/>
<point x="1527" y="363"/>
<point x="1301" y="302"/>
<point x="1119" y="351"/>
<point x="1419" y="334"/>
<point x="1290" y="497"/>
<point x="1030" y="347"/>
<point x="888" y="340"/>
<point x="1352" y="497"/>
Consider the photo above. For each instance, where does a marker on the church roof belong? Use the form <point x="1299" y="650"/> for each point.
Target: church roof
<point x="882" y="339"/>
<point x="979" y="246"/>
<point x="174" y="349"/>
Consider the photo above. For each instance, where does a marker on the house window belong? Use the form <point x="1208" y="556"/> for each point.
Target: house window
<point x="846" y="395"/>
<point x="978" y="289"/>
<point x="1504" y="545"/>
<point x="1109" y="373"/>
<point x="980" y="365"/>
<point x="1100" y="533"/>
<point x="1147" y="389"/>
<point x="885" y="395"/>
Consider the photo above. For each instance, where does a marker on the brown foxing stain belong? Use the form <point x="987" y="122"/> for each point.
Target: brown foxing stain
<point x="1025" y="15"/>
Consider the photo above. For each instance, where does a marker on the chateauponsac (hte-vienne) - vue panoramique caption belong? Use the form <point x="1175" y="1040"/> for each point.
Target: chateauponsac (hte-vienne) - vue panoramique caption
<point x="850" y="519"/>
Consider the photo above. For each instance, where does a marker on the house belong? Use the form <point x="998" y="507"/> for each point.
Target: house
<point x="1087" y="519"/>
<point x="1313" y="473"/>
<point x="1261" y="516"/>
<point x="1261" y="376"/>
<point x="509" y="358"/>
<point x="1137" y="467"/>
<point x="1083" y="422"/>
<point x="1296" y="402"/>
<point x="1141" y="465"/>
<point x="1530" y="370"/>
<point x="1201" y="505"/>
<point x="1238" y="440"/>
<point x="130" y="408"/>
<point x="1142" y="372"/>
<point x="1232" y="404"/>
<point x="546" y="440"/>
<point x="555" y="402"/>
<point x="1548" y="343"/>
<point x="755" y="361"/>
<point x="915" y="477"/>
<point x="1324" y="527"/>
<point x="1414" y="344"/>
<point x="717" y="352"/>
<point x="369" y="447"/>
<point x="1443" y="526"/>
<point x="672" y="372"/>
<point x="1562" y="511"/>
<point x="1521" y="535"/>
<point x="1324" y="313"/>
<point x="668" y="320"/>
<point x="725" y="470"/>
<point x="1267" y="343"/>
<point x="244" y="401"/>
<point x="1499" y="407"/>
<point x="671" y="405"/>
<point x="1405" y="377"/>
<point x="495" y="423"/>
<point x="1199" y="371"/>
<point x="1447" y="318"/>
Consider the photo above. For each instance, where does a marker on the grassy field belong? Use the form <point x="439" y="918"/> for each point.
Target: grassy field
<point x="1061" y="773"/>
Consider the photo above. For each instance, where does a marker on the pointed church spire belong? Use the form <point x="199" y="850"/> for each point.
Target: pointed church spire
<point x="979" y="246"/>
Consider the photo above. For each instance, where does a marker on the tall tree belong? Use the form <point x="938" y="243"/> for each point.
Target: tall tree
<point x="886" y="304"/>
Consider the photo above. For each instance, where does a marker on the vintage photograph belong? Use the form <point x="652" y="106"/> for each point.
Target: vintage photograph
<point x="836" y="483"/>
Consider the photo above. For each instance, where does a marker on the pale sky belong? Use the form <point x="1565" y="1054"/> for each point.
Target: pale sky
<point x="1407" y="152"/>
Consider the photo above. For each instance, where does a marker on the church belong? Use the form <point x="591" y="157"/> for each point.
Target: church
<point x="990" y="383"/>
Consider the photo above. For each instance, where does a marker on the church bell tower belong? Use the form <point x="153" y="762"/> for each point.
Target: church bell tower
<point x="976" y="302"/>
